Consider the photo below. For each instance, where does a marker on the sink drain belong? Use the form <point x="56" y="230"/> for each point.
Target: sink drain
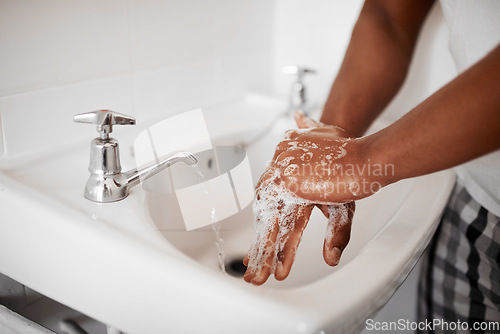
<point x="235" y="266"/>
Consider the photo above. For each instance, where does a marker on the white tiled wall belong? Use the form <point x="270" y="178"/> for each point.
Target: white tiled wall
<point x="46" y="44"/>
<point x="43" y="118"/>
<point x="177" y="31"/>
<point x="49" y="43"/>
<point x="63" y="57"/>
<point x="316" y="33"/>
<point x="312" y="33"/>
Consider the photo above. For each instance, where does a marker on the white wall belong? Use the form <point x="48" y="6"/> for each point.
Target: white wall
<point x="315" y="33"/>
<point x="48" y="43"/>
<point x="51" y="43"/>
<point x="63" y="57"/>
<point x="312" y="33"/>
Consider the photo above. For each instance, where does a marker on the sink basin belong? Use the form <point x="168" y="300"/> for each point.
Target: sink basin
<point x="372" y="216"/>
<point x="132" y="265"/>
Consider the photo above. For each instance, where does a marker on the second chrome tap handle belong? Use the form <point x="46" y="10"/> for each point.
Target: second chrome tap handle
<point x="104" y="119"/>
<point x="298" y="71"/>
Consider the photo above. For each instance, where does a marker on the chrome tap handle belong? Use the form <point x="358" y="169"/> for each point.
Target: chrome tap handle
<point x="298" y="71"/>
<point x="107" y="183"/>
<point x="298" y="97"/>
<point x="104" y="119"/>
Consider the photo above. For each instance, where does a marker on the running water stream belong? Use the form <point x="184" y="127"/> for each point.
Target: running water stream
<point x="215" y="224"/>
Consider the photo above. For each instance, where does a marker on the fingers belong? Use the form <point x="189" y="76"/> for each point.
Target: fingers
<point x="280" y="148"/>
<point x="280" y="219"/>
<point x="274" y="248"/>
<point x="324" y="209"/>
<point x="266" y="177"/>
<point x="304" y="122"/>
<point x="280" y="222"/>
<point x="338" y="231"/>
<point x="260" y="259"/>
<point x="291" y="228"/>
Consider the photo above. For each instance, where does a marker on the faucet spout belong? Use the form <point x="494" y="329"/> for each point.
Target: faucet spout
<point x="107" y="183"/>
<point x="135" y="176"/>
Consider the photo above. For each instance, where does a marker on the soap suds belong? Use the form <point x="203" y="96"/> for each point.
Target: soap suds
<point x="291" y="170"/>
<point x="275" y="207"/>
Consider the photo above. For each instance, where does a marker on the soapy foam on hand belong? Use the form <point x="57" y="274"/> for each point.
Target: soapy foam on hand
<point x="276" y="206"/>
<point x="319" y="161"/>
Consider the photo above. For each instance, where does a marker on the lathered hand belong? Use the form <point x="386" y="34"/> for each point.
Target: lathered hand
<point x="282" y="213"/>
<point x="323" y="164"/>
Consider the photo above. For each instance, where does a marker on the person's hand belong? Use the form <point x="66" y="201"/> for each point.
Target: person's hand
<point x="323" y="164"/>
<point x="281" y="215"/>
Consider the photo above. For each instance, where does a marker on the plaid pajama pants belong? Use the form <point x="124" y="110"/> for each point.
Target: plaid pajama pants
<point x="460" y="278"/>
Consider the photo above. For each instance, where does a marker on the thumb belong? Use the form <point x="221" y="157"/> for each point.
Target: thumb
<point x="338" y="232"/>
<point x="304" y="122"/>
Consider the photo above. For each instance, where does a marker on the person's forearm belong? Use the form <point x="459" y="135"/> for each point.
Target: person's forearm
<point x="375" y="64"/>
<point x="458" y="123"/>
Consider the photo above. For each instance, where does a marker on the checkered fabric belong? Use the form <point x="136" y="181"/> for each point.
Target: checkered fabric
<point x="460" y="278"/>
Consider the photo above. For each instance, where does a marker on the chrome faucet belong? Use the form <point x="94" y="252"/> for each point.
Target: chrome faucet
<point x="107" y="183"/>
<point x="298" y="96"/>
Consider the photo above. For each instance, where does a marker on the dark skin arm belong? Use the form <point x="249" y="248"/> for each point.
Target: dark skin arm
<point x="376" y="62"/>
<point x="458" y="123"/>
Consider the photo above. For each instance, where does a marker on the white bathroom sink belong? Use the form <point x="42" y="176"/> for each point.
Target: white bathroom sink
<point x="372" y="216"/>
<point x="130" y="264"/>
